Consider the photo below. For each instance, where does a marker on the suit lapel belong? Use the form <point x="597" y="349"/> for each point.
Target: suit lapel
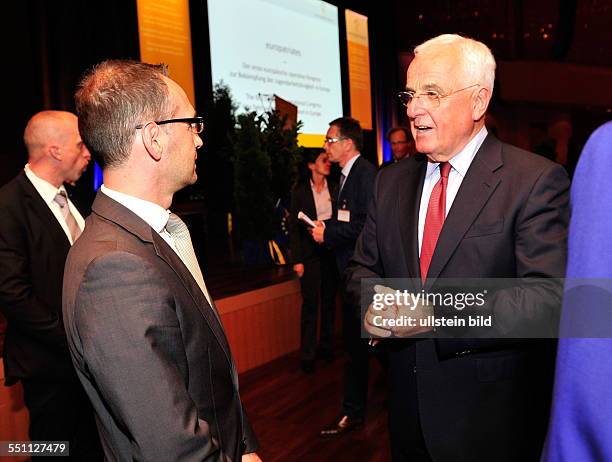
<point x="210" y="314"/>
<point x="476" y="188"/>
<point x="35" y="203"/>
<point x="408" y="200"/>
<point x="122" y="216"/>
<point x="348" y="182"/>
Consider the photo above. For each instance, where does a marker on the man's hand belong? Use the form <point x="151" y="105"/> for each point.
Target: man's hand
<point x="419" y="312"/>
<point x="383" y="321"/>
<point x="373" y="322"/>
<point x="318" y="232"/>
<point x="299" y="269"/>
<point x="250" y="457"/>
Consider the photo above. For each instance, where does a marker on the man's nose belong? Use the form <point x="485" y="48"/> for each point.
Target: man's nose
<point x="414" y="108"/>
<point x="199" y="143"/>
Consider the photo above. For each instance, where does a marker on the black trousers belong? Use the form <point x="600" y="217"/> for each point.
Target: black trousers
<point x="320" y="281"/>
<point x="356" y="369"/>
<point x="405" y="432"/>
<point x="61" y="411"/>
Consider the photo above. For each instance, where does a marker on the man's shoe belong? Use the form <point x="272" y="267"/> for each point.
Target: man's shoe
<point x="308" y="366"/>
<point x="343" y="425"/>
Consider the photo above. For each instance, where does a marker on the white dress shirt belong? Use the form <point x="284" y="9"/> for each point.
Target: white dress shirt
<point x="154" y="215"/>
<point x="322" y="201"/>
<point x="460" y="164"/>
<point x="48" y="192"/>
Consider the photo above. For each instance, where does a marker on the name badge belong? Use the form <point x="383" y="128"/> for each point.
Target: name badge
<point x="344" y="215"/>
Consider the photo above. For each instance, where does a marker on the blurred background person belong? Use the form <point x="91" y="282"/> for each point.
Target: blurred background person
<point x="39" y="224"/>
<point x="314" y="264"/>
<point x="401" y="143"/>
<point x="581" y="424"/>
<point x="343" y="145"/>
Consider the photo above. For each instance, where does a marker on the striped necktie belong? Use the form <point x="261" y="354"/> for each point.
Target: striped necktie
<point x="62" y="200"/>
<point x="182" y="240"/>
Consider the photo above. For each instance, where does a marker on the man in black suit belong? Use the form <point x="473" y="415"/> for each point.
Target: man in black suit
<point x="473" y="208"/>
<point x="343" y="143"/>
<point x="39" y="224"/>
<point x="144" y="334"/>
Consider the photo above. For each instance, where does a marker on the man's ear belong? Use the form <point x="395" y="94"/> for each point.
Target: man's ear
<point x="151" y="139"/>
<point x="53" y="150"/>
<point x="351" y="145"/>
<point x="480" y="103"/>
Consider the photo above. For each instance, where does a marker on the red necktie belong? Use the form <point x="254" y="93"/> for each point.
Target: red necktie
<point x="436" y="212"/>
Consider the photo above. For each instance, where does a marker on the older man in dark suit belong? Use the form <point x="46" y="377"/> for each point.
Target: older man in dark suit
<point x="143" y="332"/>
<point x="472" y="208"/>
<point x="343" y="143"/>
<point x="39" y="224"/>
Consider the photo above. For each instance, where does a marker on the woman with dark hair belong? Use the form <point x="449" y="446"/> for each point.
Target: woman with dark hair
<point x="313" y="263"/>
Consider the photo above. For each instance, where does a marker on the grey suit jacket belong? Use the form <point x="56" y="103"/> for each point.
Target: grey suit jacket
<point x="148" y="348"/>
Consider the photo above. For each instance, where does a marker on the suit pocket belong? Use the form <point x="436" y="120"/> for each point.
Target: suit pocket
<point x="485" y="229"/>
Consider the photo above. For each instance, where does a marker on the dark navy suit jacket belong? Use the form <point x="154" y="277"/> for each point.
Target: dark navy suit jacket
<point x="356" y="193"/>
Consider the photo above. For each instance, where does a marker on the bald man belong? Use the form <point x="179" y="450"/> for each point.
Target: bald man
<point x="39" y="224"/>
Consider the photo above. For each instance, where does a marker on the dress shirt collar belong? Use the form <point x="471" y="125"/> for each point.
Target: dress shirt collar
<point x="46" y="190"/>
<point x="349" y="165"/>
<point x="154" y="215"/>
<point x="463" y="159"/>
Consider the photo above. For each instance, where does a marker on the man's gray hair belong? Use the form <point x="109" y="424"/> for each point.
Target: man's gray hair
<point x="478" y="60"/>
<point x="112" y="98"/>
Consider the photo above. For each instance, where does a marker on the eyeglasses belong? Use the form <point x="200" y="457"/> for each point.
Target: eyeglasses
<point x="197" y="123"/>
<point x="334" y="140"/>
<point x="429" y="99"/>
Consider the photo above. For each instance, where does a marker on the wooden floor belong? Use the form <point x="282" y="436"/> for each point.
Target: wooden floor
<point x="288" y="408"/>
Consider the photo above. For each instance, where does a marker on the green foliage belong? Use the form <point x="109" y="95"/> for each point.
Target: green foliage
<point x="247" y="164"/>
<point x="281" y="146"/>
<point x="254" y="205"/>
<point x="265" y="160"/>
<point x="215" y="165"/>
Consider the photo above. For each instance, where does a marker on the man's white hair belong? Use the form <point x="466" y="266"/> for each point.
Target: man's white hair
<point x="478" y="60"/>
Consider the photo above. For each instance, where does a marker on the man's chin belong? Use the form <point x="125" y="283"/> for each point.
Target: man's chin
<point x="439" y="157"/>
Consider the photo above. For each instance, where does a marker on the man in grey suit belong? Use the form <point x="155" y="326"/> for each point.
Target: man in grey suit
<point x="143" y="332"/>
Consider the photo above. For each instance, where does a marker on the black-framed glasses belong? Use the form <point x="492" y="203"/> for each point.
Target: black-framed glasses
<point x="196" y="123"/>
<point x="334" y="140"/>
<point x="429" y="99"/>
